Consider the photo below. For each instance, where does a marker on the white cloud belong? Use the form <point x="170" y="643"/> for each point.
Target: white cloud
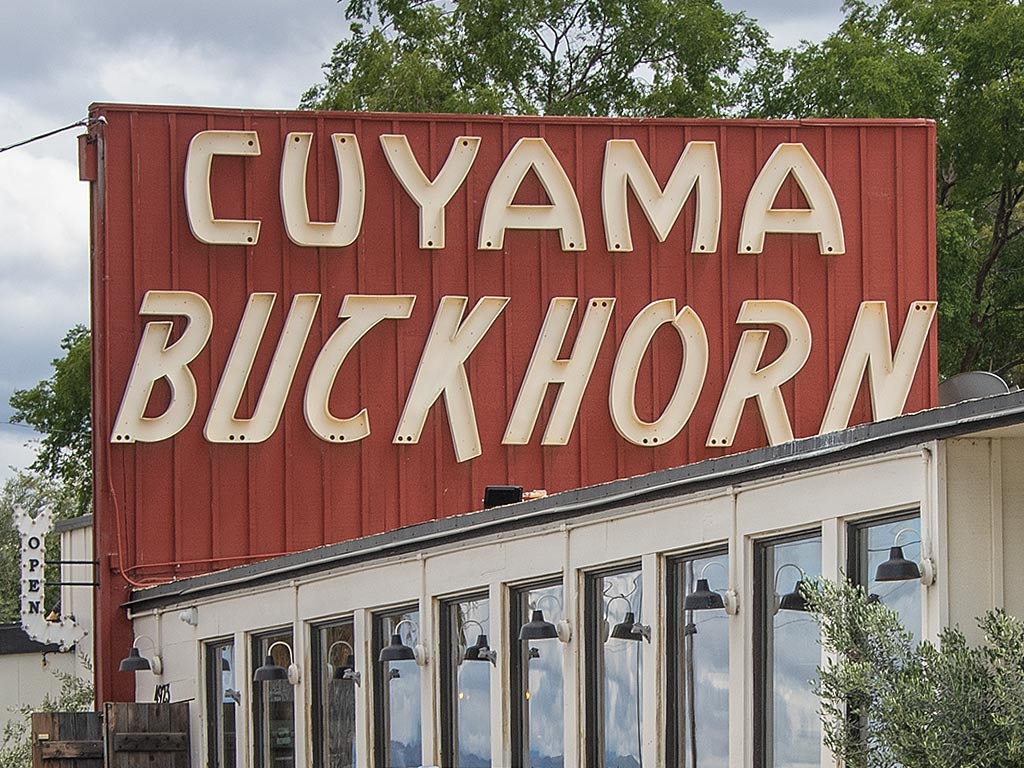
<point x="15" y="449"/>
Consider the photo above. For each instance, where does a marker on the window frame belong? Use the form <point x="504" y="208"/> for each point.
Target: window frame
<point x="593" y="658"/>
<point x="449" y="671"/>
<point x="381" y="637"/>
<point x="759" y="661"/>
<point x="214" y="705"/>
<point x="258" y="651"/>
<point x="675" y="673"/>
<point x="518" y="668"/>
<point x="318" y="662"/>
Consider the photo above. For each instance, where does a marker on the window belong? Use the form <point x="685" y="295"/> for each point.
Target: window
<point x="466" y="683"/>
<point x="614" y="658"/>
<point x="221" y="704"/>
<point x="538" y="727"/>
<point x="398" y="740"/>
<point x="698" y="666"/>
<point x="273" y="704"/>
<point x="334" y="695"/>
<point x="786" y="655"/>
<point x="870" y="545"/>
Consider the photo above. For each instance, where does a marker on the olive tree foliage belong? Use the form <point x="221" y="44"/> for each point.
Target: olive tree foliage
<point x="887" y="701"/>
<point x="960" y="62"/>
<point x="59" y="409"/>
<point x="550" y="57"/>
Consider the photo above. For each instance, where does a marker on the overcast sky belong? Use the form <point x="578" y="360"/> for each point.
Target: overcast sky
<point x="57" y="57"/>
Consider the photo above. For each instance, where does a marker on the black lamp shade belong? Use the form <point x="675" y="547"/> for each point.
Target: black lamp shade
<point x="397" y="651"/>
<point x="538" y="629"/>
<point x="794" y="601"/>
<point x="225" y="665"/>
<point x="270" y="671"/>
<point x="346" y="667"/>
<point x="702" y="598"/>
<point x="624" y="629"/>
<point x="479" y="651"/>
<point x="897" y="567"/>
<point x="135" y="662"/>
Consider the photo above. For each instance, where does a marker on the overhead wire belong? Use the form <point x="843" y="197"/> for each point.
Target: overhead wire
<point x="83" y="123"/>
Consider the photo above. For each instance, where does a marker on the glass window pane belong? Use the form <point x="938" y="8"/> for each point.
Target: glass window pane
<point x="615" y="670"/>
<point x="871" y="544"/>
<point x="466" y="684"/>
<point x="221" y="704"/>
<point x="334" y="696"/>
<point x="273" y="705"/>
<point x="790" y="731"/>
<point x="537" y="682"/>
<point x="698" y="670"/>
<point x="399" y="740"/>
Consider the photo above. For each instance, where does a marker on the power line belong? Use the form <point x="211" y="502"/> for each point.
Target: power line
<point x="77" y="124"/>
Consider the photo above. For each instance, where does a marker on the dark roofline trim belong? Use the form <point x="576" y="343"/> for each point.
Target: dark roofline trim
<point x="798" y="455"/>
<point x="73" y="523"/>
<point x="15" y="640"/>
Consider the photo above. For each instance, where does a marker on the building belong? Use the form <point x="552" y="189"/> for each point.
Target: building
<point x="666" y="326"/>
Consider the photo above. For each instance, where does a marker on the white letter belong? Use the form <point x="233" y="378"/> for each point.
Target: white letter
<point x="430" y="196"/>
<point x="157" y="360"/>
<point x="199" y="204"/>
<point x="822" y="218"/>
<point x="345" y="228"/>
<point x="450" y="343"/>
<point x="361" y="313"/>
<point x="622" y="390"/>
<point x="547" y="368"/>
<point x="624" y="164"/>
<point x="869" y="349"/>
<point x="500" y="214"/>
<point x="746" y="380"/>
<point x="221" y="424"/>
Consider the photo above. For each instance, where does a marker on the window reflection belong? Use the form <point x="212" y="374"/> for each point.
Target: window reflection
<point x="466" y="706"/>
<point x="698" y="666"/>
<point x="870" y="544"/>
<point x="334" y="696"/>
<point x="222" y="704"/>
<point x="615" y="661"/>
<point x="273" y="704"/>
<point x="789" y="731"/>
<point x="537" y="683"/>
<point x="398" y="736"/>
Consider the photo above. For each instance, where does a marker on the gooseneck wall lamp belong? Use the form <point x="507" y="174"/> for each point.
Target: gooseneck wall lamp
<point x="136" y="662"/>
<point x="347" y="669"/>
<point x="899" y="568"/>
<point x="703" y="598"/>
<point x="399" y="651"/>
<point x="271" y="670"/>
<point x="627" y="629"/>
<point x="791" y="601"/>
<point x="481" y="650"/>
<point x="539" y="629"/>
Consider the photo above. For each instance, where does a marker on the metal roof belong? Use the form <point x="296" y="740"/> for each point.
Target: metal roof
<point x="971" y="417"/>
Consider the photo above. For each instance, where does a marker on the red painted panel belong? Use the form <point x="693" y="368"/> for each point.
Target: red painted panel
<point x="186" y="506"/>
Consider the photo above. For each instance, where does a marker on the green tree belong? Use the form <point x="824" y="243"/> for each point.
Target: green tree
<point x="962" y="63"/>
<point x="887" y="701"/>
<point x="553" y="57"/>
<point x="59" y="408"/>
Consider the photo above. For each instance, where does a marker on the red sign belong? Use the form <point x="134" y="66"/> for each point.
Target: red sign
<point x="310" y="327"/>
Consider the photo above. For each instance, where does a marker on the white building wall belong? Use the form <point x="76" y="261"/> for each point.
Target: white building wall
<point x="737" y="516"/>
